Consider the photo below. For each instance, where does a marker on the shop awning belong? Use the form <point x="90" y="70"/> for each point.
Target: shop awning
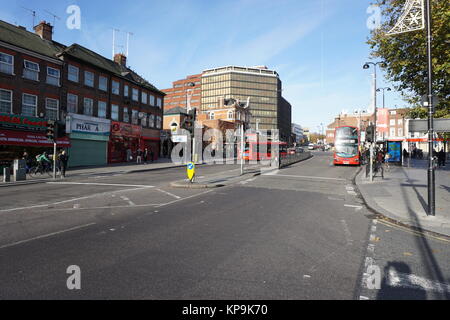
<point x="29" y="139"/>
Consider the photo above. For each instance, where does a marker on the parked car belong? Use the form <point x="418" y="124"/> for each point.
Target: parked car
<point x="311" y="146"/>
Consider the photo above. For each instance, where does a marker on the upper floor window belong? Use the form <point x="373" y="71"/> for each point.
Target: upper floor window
<point x="144" y="120"/>
<point x="126" y="90"/>
<point x="72" y="103"/>
<point x="29" y="105"/>
<point x="159" y="102"/>
<point x="6" y="63"/>
<point x="144" y="97"/>
<point x="392" y="122"/>
<point x="89" y="78"/>
<point x="152" y="100"/>
<point x="31" y="70"/>
<point x="211" y="116"/>
<point x="115" y="112"/>
<point x="73" y="73"/>
<point x="126" y="115"/>
<point x="151" y="121"/>
<point x="115" y="87"/>
<point x="103" y="83"/>
<point x="53" y="76"/>
<point x="88" y="107"/>
<point x="51" y="109"/>
<point x="135" y="93"/>
<point x="101" y="109"/>
<point x="134" y="116"/>
<point x="5" y="101"/>
<point x="230" y="115"/>
<point x="158" y="122"/>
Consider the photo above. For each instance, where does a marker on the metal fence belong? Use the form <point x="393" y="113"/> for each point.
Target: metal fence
<point x="294" y="158"/>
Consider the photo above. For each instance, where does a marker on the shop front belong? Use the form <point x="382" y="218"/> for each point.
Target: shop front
<point x="151" y="140"/>
<point x="124" y="142"/>
<point x="89" y="138"/>
<point x="19" y="134"/>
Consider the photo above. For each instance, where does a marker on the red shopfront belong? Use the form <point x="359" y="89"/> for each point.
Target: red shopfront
<point x="123" y="136"/>
<point x="151" y="140"/>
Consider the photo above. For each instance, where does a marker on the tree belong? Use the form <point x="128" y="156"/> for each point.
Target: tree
<point x="405" y="55"/>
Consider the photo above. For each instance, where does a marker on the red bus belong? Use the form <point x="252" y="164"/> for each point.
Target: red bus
<point x="253" y="150"/>
<point x="346" y="146"/>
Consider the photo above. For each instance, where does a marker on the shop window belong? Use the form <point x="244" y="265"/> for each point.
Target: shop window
<point x="51" y="109"/>
<point x="29" y="105"/>
<point x="5" y="101"/>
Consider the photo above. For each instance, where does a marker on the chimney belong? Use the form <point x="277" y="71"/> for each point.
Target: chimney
<point x="44" y="30"/>
<point x="121" y="59"/>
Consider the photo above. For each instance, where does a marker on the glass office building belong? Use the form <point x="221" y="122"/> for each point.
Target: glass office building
<point x="261" y="85"/>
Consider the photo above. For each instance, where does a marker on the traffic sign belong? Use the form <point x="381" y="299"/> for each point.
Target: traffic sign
<point x="179" y="138"/>
<point x="190" y="170"/>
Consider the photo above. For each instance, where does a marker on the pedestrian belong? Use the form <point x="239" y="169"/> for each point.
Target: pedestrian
<point x="63" y="160"/>
<point x="151" y="155"/>
<point x="441" y="158"/>
<point x="145" y="155"/>
<point x="139" y="156"/>
<point x="129" y="155"/>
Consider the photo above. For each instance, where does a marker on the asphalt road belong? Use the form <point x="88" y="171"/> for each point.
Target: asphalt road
<point x="297" y="233"/>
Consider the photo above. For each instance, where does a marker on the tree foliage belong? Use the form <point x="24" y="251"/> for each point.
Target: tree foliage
<point x="405" y="55"/>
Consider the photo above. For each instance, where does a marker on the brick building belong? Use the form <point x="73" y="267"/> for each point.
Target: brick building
<point x="181" y="91"/>
<point x="107" y="107"/>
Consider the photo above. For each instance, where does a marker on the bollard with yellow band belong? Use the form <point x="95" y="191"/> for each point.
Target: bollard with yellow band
<point x="190" y="170"/>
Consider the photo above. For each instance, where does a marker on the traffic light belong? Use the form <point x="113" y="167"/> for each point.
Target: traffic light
<point x="51" y="126"/>
<point x="189" y="121"/>
<point x="370" y="133"/>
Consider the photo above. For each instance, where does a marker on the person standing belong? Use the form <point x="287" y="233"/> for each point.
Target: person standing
<point x="151" y="155"/>
<point x="139" y="156"/>
<point x="441" y="158"/>
<point x="145" y="156"/>
<point x="63" y="160"/>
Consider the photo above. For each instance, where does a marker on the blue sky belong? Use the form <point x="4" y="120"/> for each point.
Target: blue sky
<point x="317" y="46"/>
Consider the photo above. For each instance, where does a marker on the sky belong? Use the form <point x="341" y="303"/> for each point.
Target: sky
<point x="318" y="47"/>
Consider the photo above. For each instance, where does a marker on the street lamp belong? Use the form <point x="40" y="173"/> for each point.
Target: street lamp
<point x="383" y="89"/>
<point x="244" y="116"/>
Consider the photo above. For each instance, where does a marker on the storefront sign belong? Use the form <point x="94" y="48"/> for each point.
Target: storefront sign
<point x="125" y="129"/>
<point x="17" y="138"/>
<point x="88" y="125"/>
<point x="16" y="122"/>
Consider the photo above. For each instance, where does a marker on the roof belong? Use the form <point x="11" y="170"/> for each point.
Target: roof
<point x="176" y="110"/>
<point x="24" y="39"/>
<point x="84" y="54"/>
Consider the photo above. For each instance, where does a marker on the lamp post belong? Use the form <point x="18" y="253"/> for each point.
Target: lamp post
<point x="367" y="66"/>
<point x="188" y="108"/>
<point x="244" y="116"/>
<point x="384" y="89"/>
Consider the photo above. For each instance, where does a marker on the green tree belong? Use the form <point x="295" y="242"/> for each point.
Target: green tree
<point x="405" y="55"/>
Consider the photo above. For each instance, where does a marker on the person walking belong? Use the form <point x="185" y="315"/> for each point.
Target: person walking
<point x="441" y="158"/>
<point x="139" y="156"/>
<point x="145" y="155"/>
<point x="63" y="160"/>
<point x="151" y="155"/>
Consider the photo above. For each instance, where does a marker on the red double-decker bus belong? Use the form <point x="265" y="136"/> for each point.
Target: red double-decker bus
<point x="346" y="146"/>
<point x="263" y="150"/>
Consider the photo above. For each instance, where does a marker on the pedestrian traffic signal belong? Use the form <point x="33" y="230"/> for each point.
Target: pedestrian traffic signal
<point x="370" y="133"/>
<point x="51" y="125"/>
<point x="189" y="121"/>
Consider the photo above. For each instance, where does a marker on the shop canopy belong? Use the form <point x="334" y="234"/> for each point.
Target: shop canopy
<point x="30" y="139"/>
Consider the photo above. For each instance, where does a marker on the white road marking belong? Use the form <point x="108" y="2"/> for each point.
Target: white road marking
<point x="303" y="177"/>
<point x="168" y="193"/>
<point x="131" y="203"/>
<point x="352" y="206"/>
<point x="411" y="281"/>
<point x="363" y="298"/>
<point x="103" y="184"/>
<point x="46" y="235"/>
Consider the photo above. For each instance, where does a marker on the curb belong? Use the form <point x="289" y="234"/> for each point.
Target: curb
<point x="182" y="184"/>
<point x="383" y="214"/>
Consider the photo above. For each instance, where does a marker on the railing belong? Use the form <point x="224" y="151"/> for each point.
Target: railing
<point x="294" y="158"/>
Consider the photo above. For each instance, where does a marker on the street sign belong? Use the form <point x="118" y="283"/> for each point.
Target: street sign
<point x="179" y="138"/>
<point x="190" y="170"/>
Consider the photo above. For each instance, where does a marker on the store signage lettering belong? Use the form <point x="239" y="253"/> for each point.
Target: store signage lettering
<point x="20" y="122"/>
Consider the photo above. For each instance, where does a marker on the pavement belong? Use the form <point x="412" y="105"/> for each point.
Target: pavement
<point x="402" y="196"/>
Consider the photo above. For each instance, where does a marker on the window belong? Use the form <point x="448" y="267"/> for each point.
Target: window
<point x="103" y="83"/>
<point x="89" y="78"/>
<point x="134" y="117"/>
<point x="400" y="122"/>
<point x="126" y="91"/>
<point x="230" y="115"/>
<point x="392" y="133"/>
<point x="126" y="116"/>
<point x="53" y="76"/>
<point x="29" y="105"/>
<point x="392" y="122"/>
<point x="51" y="109"/>
<point x="159" y="102"/>
<point x="73" y="73"/>
<point x="6" y="63"/>
<point x="72" y="103"/>
<point x="30" y="70"/>
<point x="144" y="120"/>
<point x="115" y="112"/>
<point x="88" y="107"/>
<point x="400" y="132"/>
<point x="211" y="116"/>
<point x="5" y="101"/>
<point x="144" y="97"/>
<point x="151" y="121"/>
<point x="135" y="93"/>
<point x="158" y="122"/>
<point x="116" y="87"/>
<point x="152" y="100"/>
<point x="393" y="113"/>
<point x="102" y="109"/>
